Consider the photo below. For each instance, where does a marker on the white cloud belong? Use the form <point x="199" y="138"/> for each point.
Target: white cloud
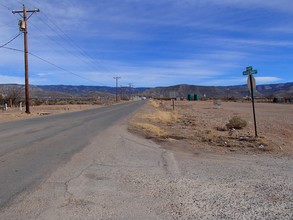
<point x="267" y="79"/>
<point x="4" y="79"/>
<point x="148" y="42"/>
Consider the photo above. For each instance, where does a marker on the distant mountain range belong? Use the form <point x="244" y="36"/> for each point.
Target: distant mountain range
<point x="272" y="90"/>
<point x="84" y="90"/>
<point x="63" y="91"/>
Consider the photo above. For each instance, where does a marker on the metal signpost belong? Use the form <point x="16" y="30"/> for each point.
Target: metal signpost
<point x="251" y="86"/>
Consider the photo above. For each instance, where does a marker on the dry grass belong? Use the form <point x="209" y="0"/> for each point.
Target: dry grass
<point x="155" y="130"/>
<point x="162" y="116"/>
<point x="200" y="126"/>
<point x="155" y="103"/>
<point x="236" y="122"/>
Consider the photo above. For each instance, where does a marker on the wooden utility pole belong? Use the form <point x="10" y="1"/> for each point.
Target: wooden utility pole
<point x="116" y="78"/>
<point x="23" y="28"/>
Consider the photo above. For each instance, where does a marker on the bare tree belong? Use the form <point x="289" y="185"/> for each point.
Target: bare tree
<point x="11" y="94"/>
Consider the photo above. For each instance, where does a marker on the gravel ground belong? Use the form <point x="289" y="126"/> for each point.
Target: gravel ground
<point x="122" y="176"/>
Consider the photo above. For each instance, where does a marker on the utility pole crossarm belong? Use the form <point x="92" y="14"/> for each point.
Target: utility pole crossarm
<point x="29" y="11"/>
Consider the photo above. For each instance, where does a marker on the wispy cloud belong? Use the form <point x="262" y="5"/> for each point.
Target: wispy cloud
<point x="267" y="79"/>
<point x="4" y="79"/>
<point x="151" y="42"/>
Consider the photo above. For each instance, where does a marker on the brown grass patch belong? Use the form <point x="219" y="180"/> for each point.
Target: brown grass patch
<point x="155" y="130"/>
<point x="162" y="116"/>
<point x="155" y="103"/>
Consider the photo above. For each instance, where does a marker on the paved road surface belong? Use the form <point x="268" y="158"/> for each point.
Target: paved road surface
<point x="31" y="149"/>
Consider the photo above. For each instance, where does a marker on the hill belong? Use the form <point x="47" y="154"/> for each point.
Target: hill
<point x="271" y="90"/>
<point x="69" y="91"/>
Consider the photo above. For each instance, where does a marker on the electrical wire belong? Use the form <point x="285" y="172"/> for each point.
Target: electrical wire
<point x="11" y="40"/>
<point x="81" y="58"/>
<point x="6" y="7"/>
<point x="82" y="77"/>
<point x="20" y="2"/>
<point x="10" y="48"/>
<point x="84" y="57"/>
<point x="55" y="65"/>
<point x="94" y="63"/>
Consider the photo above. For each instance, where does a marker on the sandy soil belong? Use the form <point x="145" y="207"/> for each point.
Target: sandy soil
<point x="201" y="126"/>
<point x="42" y="110"/>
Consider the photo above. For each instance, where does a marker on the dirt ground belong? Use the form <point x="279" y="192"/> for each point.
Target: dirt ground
<point x="123" y="176"/>
<point x="201" y="126"/>
<point x="42" y="110"/>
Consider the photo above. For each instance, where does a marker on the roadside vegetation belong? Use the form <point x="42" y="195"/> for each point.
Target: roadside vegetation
<point x="206" y="128"/>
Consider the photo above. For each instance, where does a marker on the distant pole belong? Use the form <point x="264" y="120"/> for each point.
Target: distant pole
<point x="116" y="78"/>
<point x="130" y="91"/>
<point x="23" y="28"/>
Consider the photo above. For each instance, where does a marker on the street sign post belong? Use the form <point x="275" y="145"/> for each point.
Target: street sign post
<point x="251" y="86"/>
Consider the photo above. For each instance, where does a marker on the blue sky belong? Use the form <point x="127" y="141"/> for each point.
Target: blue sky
<point x="149" y="42"/>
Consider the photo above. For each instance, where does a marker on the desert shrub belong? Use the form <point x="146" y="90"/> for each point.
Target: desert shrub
<point x="236" y="122"/>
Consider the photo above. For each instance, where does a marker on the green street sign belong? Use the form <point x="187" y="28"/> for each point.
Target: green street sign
<point x="249" y="68"/>
<point x="249" y="71"/>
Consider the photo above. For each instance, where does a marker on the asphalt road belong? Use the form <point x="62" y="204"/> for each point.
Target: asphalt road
<point x="31" y="149"/>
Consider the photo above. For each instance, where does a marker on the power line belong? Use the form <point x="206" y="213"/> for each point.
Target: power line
<point x="40" y="58"/>
<point x="81" y="55"/>
<point x="81" y="58"/>
<point x="52" y="64"/>
<point x="8" y="8"/>
<point x="20" y="2"/>
<point x="9" y="48"/>
<point x="94" y="63"/>
<point x="11" y="40"/>
<point x="5" y="7"/>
